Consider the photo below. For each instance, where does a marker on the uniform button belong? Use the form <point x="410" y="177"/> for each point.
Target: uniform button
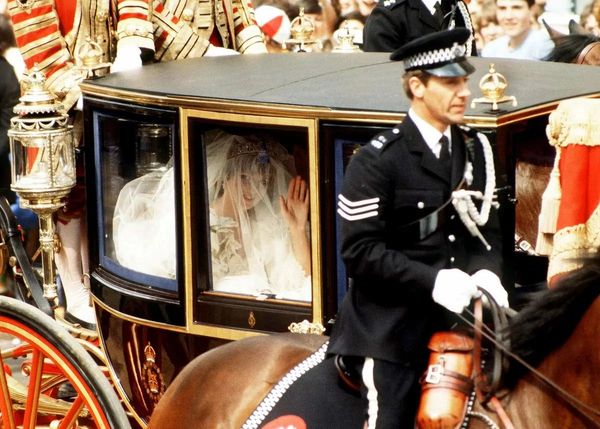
<point x="421" y="204"/>
<point x="451" y="238"/>
<point x="452" y="259"/>
<point x="395" y="130"/>
<point x="452" y="217"/>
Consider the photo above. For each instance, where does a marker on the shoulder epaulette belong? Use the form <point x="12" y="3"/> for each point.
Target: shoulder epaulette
<point x="382" y="140"/>
<point x="392" y="3"/>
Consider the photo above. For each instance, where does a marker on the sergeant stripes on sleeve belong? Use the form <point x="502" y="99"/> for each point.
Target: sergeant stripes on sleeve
<point x="357" y="210"/>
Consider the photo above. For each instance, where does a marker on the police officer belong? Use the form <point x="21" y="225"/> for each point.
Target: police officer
<point x="416" y="240"/>
<point x="393" y="23"/>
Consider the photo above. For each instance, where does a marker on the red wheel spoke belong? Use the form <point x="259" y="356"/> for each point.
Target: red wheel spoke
<point x="52" y="362"/>
<point x="8" y="421"/>
<point x="33" y="391"/>
<point x="73" y="413"/>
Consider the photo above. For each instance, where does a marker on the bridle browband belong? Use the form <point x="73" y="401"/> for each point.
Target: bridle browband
<point x="590" y="413"/>
<point x="585" y="51"/>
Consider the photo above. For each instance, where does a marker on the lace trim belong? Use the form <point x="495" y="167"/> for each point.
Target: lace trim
<point x="575" y="122"/>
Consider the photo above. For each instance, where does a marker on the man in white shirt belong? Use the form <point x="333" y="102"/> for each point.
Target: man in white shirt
<point x="520" y="40"/>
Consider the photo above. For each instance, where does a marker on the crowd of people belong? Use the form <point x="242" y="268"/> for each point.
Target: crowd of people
<point x="518" y="24"/>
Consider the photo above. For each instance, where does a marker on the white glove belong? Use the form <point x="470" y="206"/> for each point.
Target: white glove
<point x="489" y="281"/>
<point x="128" y="58"/>
<point x="454" y="289"/>
<point x="216" y="51"/>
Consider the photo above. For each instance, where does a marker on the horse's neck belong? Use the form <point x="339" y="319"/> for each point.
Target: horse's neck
<point x="573" y="367"/>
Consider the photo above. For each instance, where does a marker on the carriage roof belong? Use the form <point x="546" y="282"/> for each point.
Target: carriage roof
<point x="326" y="83"/>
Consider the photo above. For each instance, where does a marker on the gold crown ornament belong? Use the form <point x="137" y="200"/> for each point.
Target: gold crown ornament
<point x="345" y="39"/>
<point x="301" y="30"/>
<point x="493" y="86"/>
<point x="89" y="59"/>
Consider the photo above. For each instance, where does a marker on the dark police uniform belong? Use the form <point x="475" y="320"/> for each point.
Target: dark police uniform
<point x="399" y="229"/>
<point x="388" y="312"/>
<point x="393" y="23"/>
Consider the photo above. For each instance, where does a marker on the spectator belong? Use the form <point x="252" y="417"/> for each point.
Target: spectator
<point x="365" y="7"/>
<point x="588" y="18"/>
<point x="345" y="7"/>
<point x="520" y="39"/>
<point x="556" y="13"/>
<point x="9" y="97"/>
<point x="486" y="24"/>
<point x="393" y="23"/>
<point x="275" y="25"/>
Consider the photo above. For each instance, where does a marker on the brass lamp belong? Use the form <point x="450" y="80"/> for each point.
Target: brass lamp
<point x="43" y="163"/>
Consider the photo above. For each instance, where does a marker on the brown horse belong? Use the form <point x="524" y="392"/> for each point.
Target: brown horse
<point x="578" y="47"/>
<point x="557" y="334"/>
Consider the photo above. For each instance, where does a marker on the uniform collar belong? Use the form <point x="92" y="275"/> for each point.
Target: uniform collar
<point x="430" y="134"/>
<point x="430" y="5"/>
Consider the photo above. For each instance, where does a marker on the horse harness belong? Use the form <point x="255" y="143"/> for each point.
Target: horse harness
<point x="585" y="51"/>
<point x="450" y="394"/>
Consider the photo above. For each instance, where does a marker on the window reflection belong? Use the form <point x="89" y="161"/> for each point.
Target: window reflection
<point x="143" y="223"/>
<point x="258" y="206"/>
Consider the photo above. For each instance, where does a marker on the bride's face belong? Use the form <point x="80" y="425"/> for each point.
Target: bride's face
<point x="248" y="188"/>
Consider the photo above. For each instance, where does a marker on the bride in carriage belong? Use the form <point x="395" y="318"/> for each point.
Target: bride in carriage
<point x="258" y="213"/>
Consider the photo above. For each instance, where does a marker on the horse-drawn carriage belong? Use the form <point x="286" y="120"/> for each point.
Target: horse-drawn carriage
<point x="153" y="138"/>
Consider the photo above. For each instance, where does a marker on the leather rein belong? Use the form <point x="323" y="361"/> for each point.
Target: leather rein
<point x="482" y="331"/>
<point x="585" y="51"/>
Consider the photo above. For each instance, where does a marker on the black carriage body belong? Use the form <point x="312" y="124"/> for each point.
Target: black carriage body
<point x="321" y="106"/>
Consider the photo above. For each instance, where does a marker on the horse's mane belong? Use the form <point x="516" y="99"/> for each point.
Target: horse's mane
<point x="551" y="316"/>
<point x="567" y="47"/>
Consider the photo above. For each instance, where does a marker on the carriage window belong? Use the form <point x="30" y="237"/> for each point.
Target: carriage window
<point x="138" y="240"/>
<point x="340" y="141"/>
<point x="258" y="201"/>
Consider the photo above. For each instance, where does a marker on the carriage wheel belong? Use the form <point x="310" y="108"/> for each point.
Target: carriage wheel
<point x="47" y="380"/>
<point x="27" y="285"/>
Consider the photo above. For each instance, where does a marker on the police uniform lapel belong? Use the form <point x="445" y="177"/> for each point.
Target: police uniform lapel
<point x="416" y="144"/>
<point x="459" y="156"/>
<point x="424" y="15"/>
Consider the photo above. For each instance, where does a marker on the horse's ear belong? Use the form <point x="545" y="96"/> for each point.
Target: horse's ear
<point x="554" y="34"/>
<point x="576" y="28"/>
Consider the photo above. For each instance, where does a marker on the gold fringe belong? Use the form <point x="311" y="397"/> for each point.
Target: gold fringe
<point x="549" y="210"/>
<point x="573" y="243"/>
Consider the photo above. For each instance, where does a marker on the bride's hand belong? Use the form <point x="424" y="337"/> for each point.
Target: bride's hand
<point x="294" y="208"/>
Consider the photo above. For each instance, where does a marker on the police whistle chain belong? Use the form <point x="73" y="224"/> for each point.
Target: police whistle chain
<point x="462" y="199"/>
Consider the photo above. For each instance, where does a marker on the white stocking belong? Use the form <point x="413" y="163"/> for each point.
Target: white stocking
<point x="69" y="264"/>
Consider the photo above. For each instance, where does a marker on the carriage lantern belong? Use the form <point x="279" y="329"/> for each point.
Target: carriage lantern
<point x="43" y="163"/>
